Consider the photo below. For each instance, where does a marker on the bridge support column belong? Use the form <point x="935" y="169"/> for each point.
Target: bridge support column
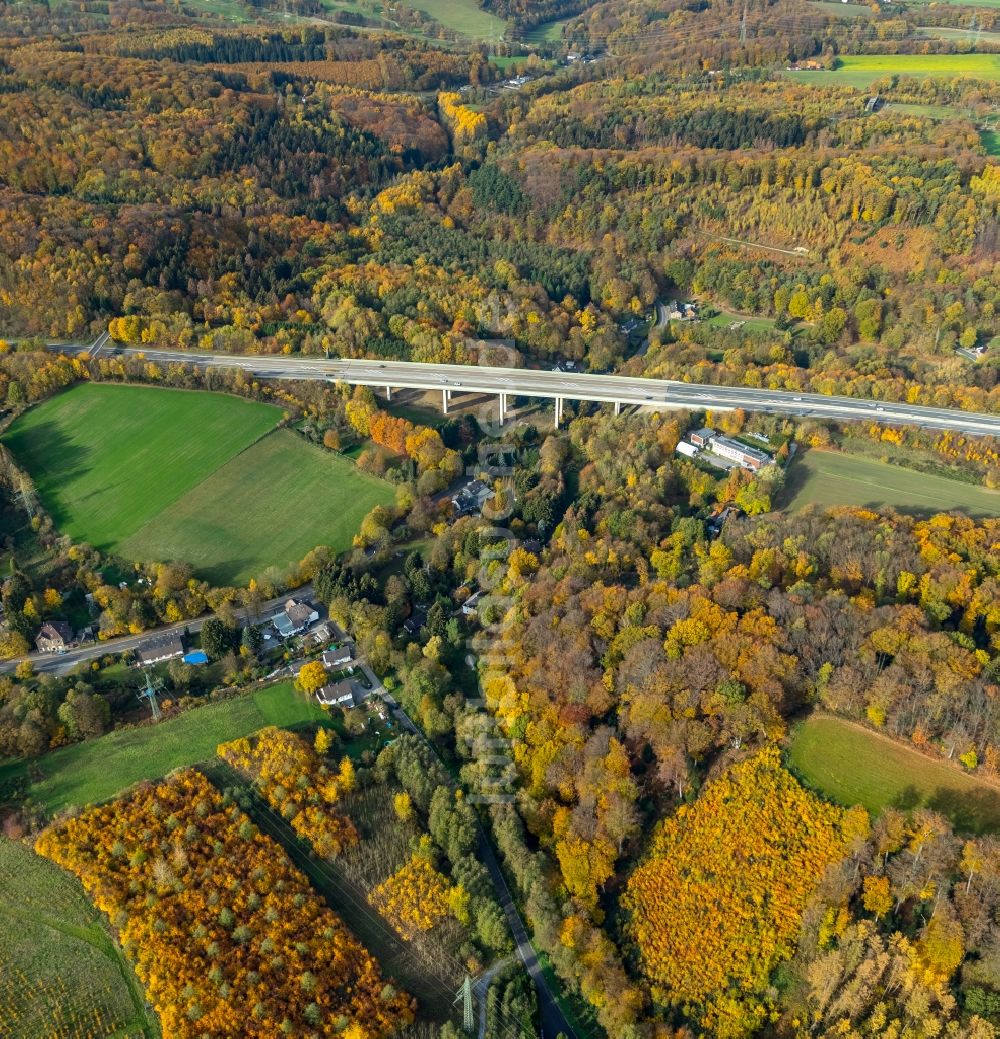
<point x="445" y="400"/>
<point x="503" y="408"/>
<point x="388" y="393"/>
<point x="618" y="407"/>
<point x="559" y="411"/>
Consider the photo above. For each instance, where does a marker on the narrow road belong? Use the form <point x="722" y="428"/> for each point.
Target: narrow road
<point x="61" y="663"/>
<point x="553" y="1020"/>
<point x="481" y="989"/>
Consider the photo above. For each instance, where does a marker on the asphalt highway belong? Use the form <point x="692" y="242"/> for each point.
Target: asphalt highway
<point x="626" y="390"/>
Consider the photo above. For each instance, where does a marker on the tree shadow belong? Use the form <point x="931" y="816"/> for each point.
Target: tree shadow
<point x="51" y="459"/>
<point x="970" y="811"/>
<point x="907" y="799"/>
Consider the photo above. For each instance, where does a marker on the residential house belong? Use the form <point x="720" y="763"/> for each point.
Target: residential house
<point x="337" y="656"/>
<point x="320" y="635"/>
<point x="338" y="694"/>
<point x="471" y="498"/>
<point x="295" y="618"/>
<point x="470" y="605"/>
<point x="156" y="650"/>
<point x="54" y="637"/>
<point x="415" y="621"/>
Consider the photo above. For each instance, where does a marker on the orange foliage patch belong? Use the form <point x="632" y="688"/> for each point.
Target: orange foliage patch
<point x="292" y="778"/>
<point x="227" y="937"/>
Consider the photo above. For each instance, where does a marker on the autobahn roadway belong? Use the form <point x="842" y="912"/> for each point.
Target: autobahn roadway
<point x="620" y="390"/>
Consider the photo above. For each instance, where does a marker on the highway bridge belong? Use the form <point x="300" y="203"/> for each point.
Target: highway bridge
<point x="558" y="386"/>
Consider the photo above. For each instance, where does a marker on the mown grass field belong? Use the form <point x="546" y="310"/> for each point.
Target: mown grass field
<point x="861" y="70"/>
<point x="852" y="765"/>
<point x="463" y="16"/>
<point x="61" y="970"/>
<point x="991" y="141"/>
<point x="269" y="505"/>
<point x="826" y="478"/>
<point x="203" y="478"/>
<point x="107" y="459"/>
<point x="94" y="771"/>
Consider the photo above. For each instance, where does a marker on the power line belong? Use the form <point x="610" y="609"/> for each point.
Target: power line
<point x="513" y="1028"/>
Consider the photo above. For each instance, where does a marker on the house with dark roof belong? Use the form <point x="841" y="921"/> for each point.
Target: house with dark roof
<point x="295" y="618"/>
<point x="337" y="656"/>
<point x="54" y="637"/>
<point x="338" y="694"/>
<point x="156" y="650"/>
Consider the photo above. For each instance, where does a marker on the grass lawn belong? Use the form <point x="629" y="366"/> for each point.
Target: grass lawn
<point x="991" y="141"/>
<point x="547" y="32"/>
<point x="92" y="772"/>
<point x="838" y="10"/>
<point x="861" y="70"/>
<point x="828" y="478"/>
<point x="463" y="16"/>
<point x="930" y="111"/>
<point x="62" y="974"/>
<point x="852" y="765"/>
<point x="941" y="32"/>
<point x="726" y="318"/>
<point x="269" y="505"/>
<point x="107" y="459"/>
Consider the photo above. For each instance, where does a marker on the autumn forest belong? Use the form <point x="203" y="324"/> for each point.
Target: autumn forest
<point x="716" y="742"/>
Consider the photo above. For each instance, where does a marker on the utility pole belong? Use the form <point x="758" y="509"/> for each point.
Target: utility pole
<point x="465" y="995"/>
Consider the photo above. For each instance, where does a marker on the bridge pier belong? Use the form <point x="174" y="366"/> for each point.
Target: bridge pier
<point x="445" y="400"/>
<point x="388" y="393"/>
<point x="618" y="407"/>
<point x="559" y="411"/>
<point x="503" y="408"/>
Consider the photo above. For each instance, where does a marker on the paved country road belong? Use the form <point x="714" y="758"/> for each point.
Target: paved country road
<point x="60" y="663"/>
<point x="621" y="389"/>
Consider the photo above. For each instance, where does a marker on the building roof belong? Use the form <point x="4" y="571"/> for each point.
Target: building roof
<point x="338" y="655"/>
<point x="163" y="647"/>
<point x="55" y="630"/>
<point x="337" y="694"/>
<point x="748" y="452"/>
<point x="704" y="433"/>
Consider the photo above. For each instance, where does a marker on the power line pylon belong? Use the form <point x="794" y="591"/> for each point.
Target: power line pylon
<point x="465" y="995"/>
<point x="148" y="692"/>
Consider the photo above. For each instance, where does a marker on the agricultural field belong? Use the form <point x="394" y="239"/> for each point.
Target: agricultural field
<point x="267" y="506"/>
<point x="827" y="478"/>
<point x="838" y="10"/>
<point x="62" y="973"/>
<point x="107" y="459"/>
<point x="174" y="475"/>
<point x="861" y="70"/>
<point x="853" y="765"/>
<point x="462" y="16"/>
<point x="93" y="771"/>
